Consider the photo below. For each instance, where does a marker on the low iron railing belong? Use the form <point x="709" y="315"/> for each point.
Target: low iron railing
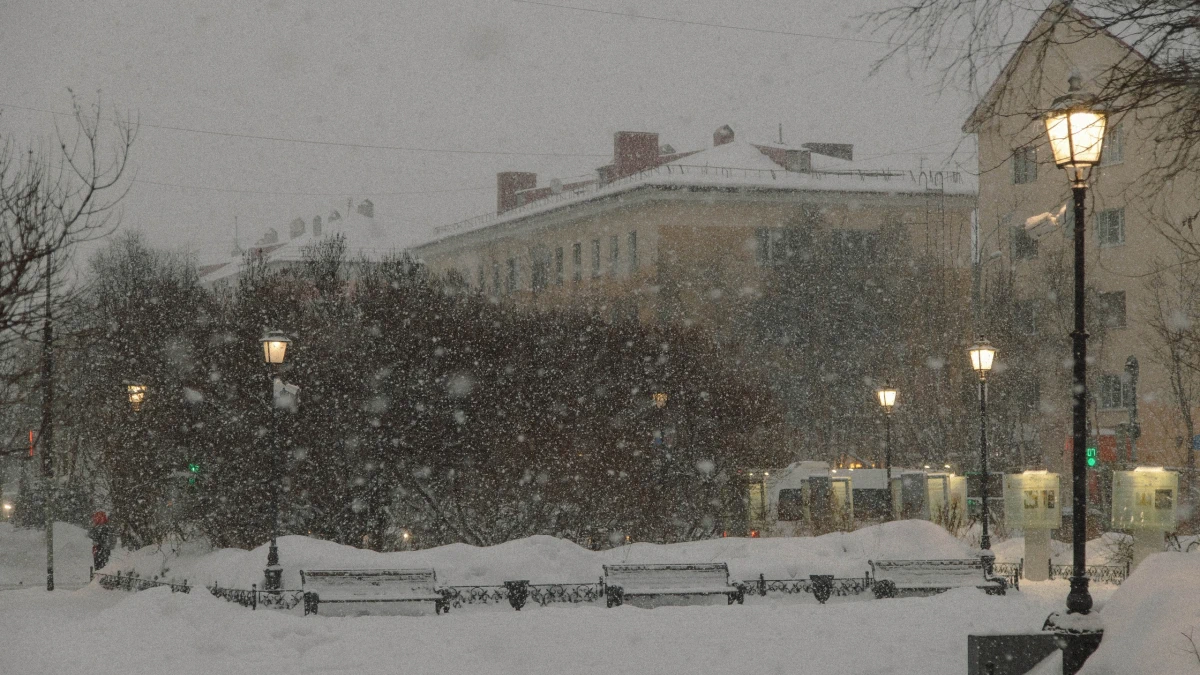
<point x="1010" y="571"/>
<point x="840" y="587"/>
<point x="132" y="582"/>
<point x="1101" y="574"/>
<point x="254" y="598"/>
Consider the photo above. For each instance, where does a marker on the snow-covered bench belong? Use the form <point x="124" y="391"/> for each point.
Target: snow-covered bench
<point x="341" y="592"/>
<point x="925" y="577"/>
<point x="654" y="585"/>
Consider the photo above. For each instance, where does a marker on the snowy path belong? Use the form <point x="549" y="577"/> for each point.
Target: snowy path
<point x="107" y="632"/>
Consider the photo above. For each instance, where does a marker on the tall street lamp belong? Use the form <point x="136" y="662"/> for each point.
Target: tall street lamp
<point x="1075" y="126"/>
<point x="887" y="399"/>
<point x="274" y="345"/>
<point x="982" y="355"/>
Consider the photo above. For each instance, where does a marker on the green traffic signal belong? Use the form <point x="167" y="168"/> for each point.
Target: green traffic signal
<point x="194" y="467"/>
<point x="1091" y="457"/>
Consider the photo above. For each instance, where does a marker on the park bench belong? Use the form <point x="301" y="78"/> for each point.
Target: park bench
<point x="342" y="592"/>
<point x="894" y="578"/>
<point x="654" y="585"/>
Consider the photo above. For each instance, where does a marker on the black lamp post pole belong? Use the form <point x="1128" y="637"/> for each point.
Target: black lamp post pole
<point x="985" y="540"/>
<point x="274" y="572"/>
<point x="1079" y="600"/>
<point x="887" y="459"/>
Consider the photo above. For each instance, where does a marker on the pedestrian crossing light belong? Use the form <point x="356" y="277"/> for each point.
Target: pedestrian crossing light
<point x="1091" y="457"/>
<point x="194" y="469"/>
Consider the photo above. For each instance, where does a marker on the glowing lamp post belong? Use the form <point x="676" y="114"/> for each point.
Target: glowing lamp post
<point x="887" y="398"/>
<point x="982" y="356"/>
<point x="274" y="346"/>
<point x="1075" y="126"/>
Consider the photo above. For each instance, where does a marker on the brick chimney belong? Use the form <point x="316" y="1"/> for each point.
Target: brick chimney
<point x="634" y="151"/>
<point x="508" y="183"/>
<point x="723" y="135"/>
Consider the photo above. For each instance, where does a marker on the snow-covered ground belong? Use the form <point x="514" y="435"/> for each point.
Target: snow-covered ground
<point x="102" y="632"/>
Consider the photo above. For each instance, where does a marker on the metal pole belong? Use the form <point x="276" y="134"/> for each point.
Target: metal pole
<point x="985" y="541"/>
<point x="273" y="575"/>
<point x="47" y="435"/>
<point x="887" y="459"/>
<point x="1079" y="600"/>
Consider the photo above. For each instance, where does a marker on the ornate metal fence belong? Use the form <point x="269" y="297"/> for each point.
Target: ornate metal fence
<point x="1011" y="571"/>
<point x="1101" y="574"/>
<point x="840" y="587"/>
<point x="255" y="598"/>
<point x="132" y="582"/>
<point x="544" y="594"/>
<point x="457" y="596"/>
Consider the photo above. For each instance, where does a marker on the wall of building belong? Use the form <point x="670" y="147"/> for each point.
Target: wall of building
<point x="1121" y="182"/>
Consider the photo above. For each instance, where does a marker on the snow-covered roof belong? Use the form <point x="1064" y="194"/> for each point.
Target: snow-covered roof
<point x="737" y="164"/>
<point x="365" y="237"/>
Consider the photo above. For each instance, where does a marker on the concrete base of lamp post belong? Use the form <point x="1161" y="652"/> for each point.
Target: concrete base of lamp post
<point x="273" y="578"/>
<point x="1078" y="636"/>
<point x="1037" y="550"/>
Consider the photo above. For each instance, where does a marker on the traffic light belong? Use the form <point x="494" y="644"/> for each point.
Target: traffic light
<point x="194" y="469"/>
<point x="1092" y="457"/>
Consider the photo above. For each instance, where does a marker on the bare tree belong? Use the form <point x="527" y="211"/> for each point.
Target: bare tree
<point x="1175" y="292"/>
<point x="974" y="44"/>
<point x="50" y="201"/>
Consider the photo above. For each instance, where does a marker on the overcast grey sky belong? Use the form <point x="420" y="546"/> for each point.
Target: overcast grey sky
<point x="478" y="75"/>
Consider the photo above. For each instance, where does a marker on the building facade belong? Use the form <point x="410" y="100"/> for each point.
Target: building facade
<point x="661" y="234"/>
<point x="1136" y="411"/>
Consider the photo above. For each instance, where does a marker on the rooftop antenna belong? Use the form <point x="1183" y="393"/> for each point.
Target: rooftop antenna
<point x="237" y="242"/>
<point x="781" y="133"/>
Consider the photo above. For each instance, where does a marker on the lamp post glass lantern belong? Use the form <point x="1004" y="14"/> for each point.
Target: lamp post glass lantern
<point x="887" y="398"/>
<point x="1075" y="126"/>
<point x="137" y="395"/>
<point x="275" y="345"/>
<point x="982" y="356"/>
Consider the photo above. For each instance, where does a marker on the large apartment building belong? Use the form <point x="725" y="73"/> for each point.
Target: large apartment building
<point x="1026" y="223"/>
<point x="660" y="233"/>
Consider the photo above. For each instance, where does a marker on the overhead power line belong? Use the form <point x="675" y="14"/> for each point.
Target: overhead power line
<point x="340" y="144"/>
<point x="360" y="193"/>
<point x="706" y="24"/>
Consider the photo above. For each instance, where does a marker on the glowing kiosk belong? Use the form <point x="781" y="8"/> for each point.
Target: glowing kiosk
<point x="1143" y="501"/>
<point x="1032" y="504"/>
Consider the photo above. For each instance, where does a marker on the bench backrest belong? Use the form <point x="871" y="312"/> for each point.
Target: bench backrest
<point x="370" y="583"/>
<point x="667" y="577"/>
<point x="927" y="569"/>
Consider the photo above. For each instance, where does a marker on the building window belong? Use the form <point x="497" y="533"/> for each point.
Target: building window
<point x="1024" y="247"/>
<point x="1116" y="393"/>
<point x="481" y="277"/>
<point x="1114" y="145"/>
<point x="496" y="278"/>
<point x="1110" y="227"/>
<point x="558" y="266"/>
<point x="1112" y="309"/>
<point x="1024" y="164"/>
<point x="595" y="257"/>
<point x="614" y="253"/>
<point x="512" y="276"/>
<point x="633" y="261"/>
<point x="577" y="261"/>
<point x="766" y="245"/>
<point x="539" y="262"/>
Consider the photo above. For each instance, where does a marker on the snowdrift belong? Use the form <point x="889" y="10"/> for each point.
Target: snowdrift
<point x="543" y="559"/>
<point x="1148" y="619"/>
